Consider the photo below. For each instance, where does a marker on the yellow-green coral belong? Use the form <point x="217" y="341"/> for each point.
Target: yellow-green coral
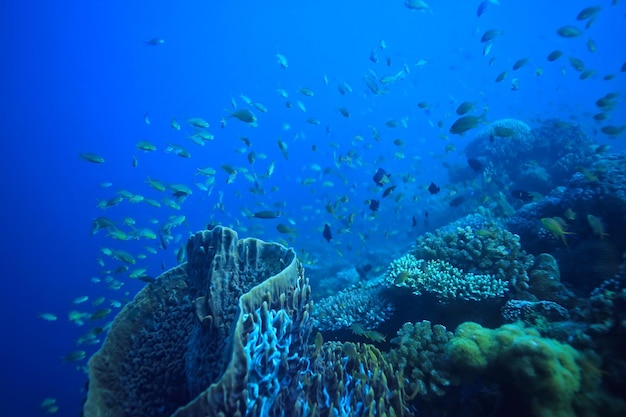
<point x="546" y="372"/>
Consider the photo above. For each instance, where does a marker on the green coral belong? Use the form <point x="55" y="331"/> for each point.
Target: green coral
<point x="552" y="377"/>
<point x="420" y="357"/>
<point x="443" y="280"/>
<point x="486" y="249"/>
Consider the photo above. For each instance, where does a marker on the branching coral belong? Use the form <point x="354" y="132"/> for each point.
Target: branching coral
<point x="443" y="280"/>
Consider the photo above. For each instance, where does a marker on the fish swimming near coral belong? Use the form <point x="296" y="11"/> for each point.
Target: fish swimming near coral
<point x="555" y="228"/>
<point x="597" y="226"/>
<point x="465" y="123"/>
<point x="433" y="188"/>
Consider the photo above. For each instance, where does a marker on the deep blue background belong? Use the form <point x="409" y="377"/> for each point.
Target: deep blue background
<point x="76" y="77"/>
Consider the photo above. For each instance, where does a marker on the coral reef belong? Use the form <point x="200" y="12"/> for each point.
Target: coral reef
<point x="420" y="357"/>
<point x="538" y="159"/>
<point x="587" y="258"/>
<point x="490" y="250"/>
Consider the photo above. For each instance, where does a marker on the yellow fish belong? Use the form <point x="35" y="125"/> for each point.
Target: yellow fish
<point x="597" y="226"/>
<point x="569" y="214"/>
<point x="555" y="228"/>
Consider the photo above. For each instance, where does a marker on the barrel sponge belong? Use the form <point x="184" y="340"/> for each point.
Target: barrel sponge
<point x="124" y="377"/>
<point x="546" y="372"/>
<point x="221" y="335"/>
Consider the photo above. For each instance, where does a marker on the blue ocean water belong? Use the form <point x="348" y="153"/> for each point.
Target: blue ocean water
<point x="78" y="77"/>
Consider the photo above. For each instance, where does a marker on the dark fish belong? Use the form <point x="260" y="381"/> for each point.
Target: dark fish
<point x="266" y="214"/>
<point x="163" y="242"/>
<point x="374" y="204"/>
<point x="154" y="42"/>
<point x="363" y="270"/>
<point x="433" y="189"/>
<point x="465" y="123"/>
<point x="490" y="35"/>
<point x="457" y="201"/>
<point x="414" y="222"/>
<point x="426" y="214"/>
<point x="588" y="12"/>
<point x="522" y="195"/>
<point x="147" y="278"/>
<point x="328" y="235"/>
<point x="475" y="164"/>
<point x="520" y="63"/>
<point x="373" y="56"/>
<point x="388" y="190"/>
<point x="482" y="8"/>
<point x="180" y="194"/>
<point x="465" y="107"/>
<point x="381" y="177"/>
<point x="554" y="55"/>
<point x="569" y="31"/>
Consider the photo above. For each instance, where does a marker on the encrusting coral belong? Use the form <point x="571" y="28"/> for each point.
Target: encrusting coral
<point x="549" y="378"/>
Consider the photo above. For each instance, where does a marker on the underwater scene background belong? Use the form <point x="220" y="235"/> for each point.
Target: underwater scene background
<point x="435" y="193"/>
